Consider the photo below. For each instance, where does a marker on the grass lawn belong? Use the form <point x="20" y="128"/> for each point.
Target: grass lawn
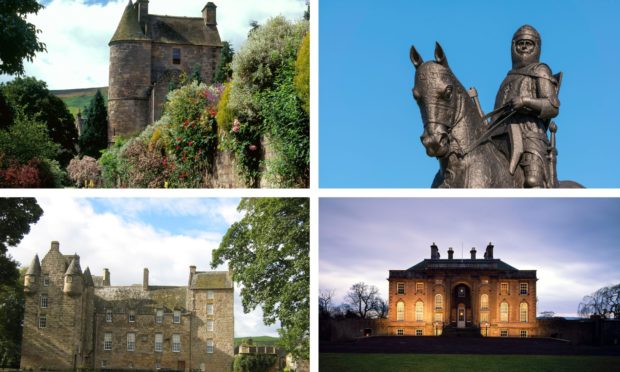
<point x="77" y="99"/>
<point x="454" y="362"/>
<point x="258" y="340"/>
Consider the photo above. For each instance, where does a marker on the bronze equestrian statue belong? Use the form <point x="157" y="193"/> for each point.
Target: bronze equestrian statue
<point x="512" y="151"/>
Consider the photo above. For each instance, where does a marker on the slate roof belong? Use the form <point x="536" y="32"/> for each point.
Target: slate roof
<point x="135" y="297"/>
<point x="486" y="266"/>
<point x="211" y="280"/>
<point x="165" y="29"/>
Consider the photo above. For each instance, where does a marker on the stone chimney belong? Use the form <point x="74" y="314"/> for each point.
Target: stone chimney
<point x="489" y="253"/>
<point x="473" y="253"/>
<point x="143" y="12"/>
<point x="208" y="14"/>
<point x="192" y="272"/>
<point x="434" y="252"/>
<point x="450" y="253"/>
<point x="106" y="277"/>
<point x="145" y="279"/>
<point x="55" y="246"/>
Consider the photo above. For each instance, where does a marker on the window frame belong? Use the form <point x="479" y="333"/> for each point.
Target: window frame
<point x="176" y="56"/>
<point x="46" y="280"/>
<point x="523" y="333"/>
<point x="400" y="332"/>
<point x="159" y="343"/>
<point x="484" y="302"/>
<point x="400" y="311"/>
<point x="523" y="312"/>
<point x="439" y="304"/>
<point x="176" y="317"/>
<point x="524" y="289"/>
<point x="131" y="341"/>
<point x="210" y="325"/>
<point x="210" y="309"/>
<point x="210" y="294"/>
<point x="400" y="288"/>
<point x="176" y="346"/>
<point x="131" y="316"/>
<point x="210" y="346"/>
<point x="42" y="322"/>
<point x="419" y="287"/>
<point x="43" y="301"/>
<point x="503" y="333"/>
<point x="159" y="316"/>
<point x="108" y="315"/>
<point x="506" y="290"/>
<point x="419" y="332"/>
<point x="419" y="311"/>
<point x="107" y="341"/>
<point x="504" y="310"/>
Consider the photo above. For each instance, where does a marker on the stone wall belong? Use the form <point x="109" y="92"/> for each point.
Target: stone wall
<point x="594" y="331"/>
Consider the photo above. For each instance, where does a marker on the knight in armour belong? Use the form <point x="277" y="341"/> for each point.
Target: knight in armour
<point x="531" y="91"/>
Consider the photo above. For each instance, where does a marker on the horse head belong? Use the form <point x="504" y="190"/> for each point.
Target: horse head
<point x="439" y="96"/>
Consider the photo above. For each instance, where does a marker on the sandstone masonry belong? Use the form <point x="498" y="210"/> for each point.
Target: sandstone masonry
<point x="76" y="320"/>
<point x="148" y="53"/>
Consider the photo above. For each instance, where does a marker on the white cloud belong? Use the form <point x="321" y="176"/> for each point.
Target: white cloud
<point x="125" y="247"/>
<point x="77" y="33"/>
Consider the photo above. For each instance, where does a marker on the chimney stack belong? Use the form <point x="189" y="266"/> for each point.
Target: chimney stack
<point x="209" y="15"/>
<point x="106" y="277"/>
<point x="434" y="252"/>
<point x="489" y="253"/>
<point x="192" y="272"/>
<point x="55" y="246"/>
<point x="143" y="12"/>
<point x="450" y="253"/>
<point x="473" y="253"/>
<point x="145" y="279"/>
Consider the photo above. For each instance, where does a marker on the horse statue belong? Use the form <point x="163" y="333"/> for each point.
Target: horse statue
<point x="471" y="153"/>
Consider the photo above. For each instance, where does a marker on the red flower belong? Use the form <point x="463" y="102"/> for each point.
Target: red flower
<point x="252" y="147"/>
<point x="190" y="143"/>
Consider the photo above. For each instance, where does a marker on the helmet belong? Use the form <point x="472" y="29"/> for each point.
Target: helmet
<point x="525" y="32"/>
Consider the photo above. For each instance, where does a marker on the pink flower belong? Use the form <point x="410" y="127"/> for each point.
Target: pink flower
<point x="252" y="147"/>
<point x="235" y="129"/>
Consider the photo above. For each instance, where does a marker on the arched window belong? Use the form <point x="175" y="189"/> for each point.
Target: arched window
<point x="400" y="310"/>
<point x="419" y="311"/>
<point x="484" y="302"/>
<point x="523" y="312"/>
<point x="438" y="302"/>
<point x="503" y="312"/>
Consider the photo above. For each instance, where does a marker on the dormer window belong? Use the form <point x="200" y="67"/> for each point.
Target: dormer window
<point x="46" y="281"/>
<point x="176" y="56"/>
<point x="69" y="279"/>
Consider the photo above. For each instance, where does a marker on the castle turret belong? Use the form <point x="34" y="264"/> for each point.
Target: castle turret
<point x="130" y="74"/>
<point x="33" y="275"/>
<point x="73" y="278"/>
<point x="88" y="278"/>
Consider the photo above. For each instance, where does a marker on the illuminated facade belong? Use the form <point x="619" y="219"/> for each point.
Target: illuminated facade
<point x="441" y="295"/>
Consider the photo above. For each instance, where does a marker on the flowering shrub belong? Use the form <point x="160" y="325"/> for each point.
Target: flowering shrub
<point x="84" y="171"/>
<point x="176" y="151"/>
<point x="16" y="175"/>
<point x="192" y="128"/>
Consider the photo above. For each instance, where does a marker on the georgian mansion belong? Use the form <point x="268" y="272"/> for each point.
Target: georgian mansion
<point x="483" y="295"/>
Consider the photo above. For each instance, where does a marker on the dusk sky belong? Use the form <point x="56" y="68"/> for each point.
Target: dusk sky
<point x="125" y="235"/>
<point x="370" y="126"/>
<point x="77" y="33"/>
<point x="573" y="243"/>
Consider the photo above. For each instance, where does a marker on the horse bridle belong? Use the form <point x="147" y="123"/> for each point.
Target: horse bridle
<point x="455" y="147"/>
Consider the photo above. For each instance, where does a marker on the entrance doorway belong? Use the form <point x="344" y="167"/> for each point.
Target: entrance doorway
<point x="461" y="306"/>
<point x="460" y="321"/>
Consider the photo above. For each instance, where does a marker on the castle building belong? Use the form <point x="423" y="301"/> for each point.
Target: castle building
<point x="483" y="295"/>
<point x="148" y="53"/>
<point x="73" y="319"/>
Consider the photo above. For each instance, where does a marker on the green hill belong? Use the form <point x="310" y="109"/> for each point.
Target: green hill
<point x="77" y="99"/>
<point x="258" y="340"/>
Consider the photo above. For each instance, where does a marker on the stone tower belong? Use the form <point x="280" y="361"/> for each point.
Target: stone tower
<point x="59" y="298"/>
<point x="148" y="53"/>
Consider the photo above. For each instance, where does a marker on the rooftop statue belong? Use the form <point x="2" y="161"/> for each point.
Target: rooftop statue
<point x="506" y="148"/>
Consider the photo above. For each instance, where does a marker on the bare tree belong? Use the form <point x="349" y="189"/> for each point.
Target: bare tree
<point x="381" y="308"/>
<point x="605" y="303"/>
<point x="325" y="302"/>
<point x="363" y="299"/>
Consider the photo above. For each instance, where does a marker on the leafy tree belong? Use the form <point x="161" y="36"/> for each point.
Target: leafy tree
<point x="27" y="139"/>
<point x="94" y="137"/>
<point x="18" y="39"/>
<point x="16" y="216"/>
<point x="605" y="303"/>
<point x="253" y="362"/>
<point x="363" y="299"/>
<point x="11" y="314"/>
<point x="32" y="97"/>
<point x="268" y="254"/>
<point x="302" y="72"/>
<point x="224" y="68"/>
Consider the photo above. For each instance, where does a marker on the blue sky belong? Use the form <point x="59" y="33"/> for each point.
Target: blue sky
<point x="125" y="235"/>
<point x="369" y="125"/>
<point x="571" y="242"/>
